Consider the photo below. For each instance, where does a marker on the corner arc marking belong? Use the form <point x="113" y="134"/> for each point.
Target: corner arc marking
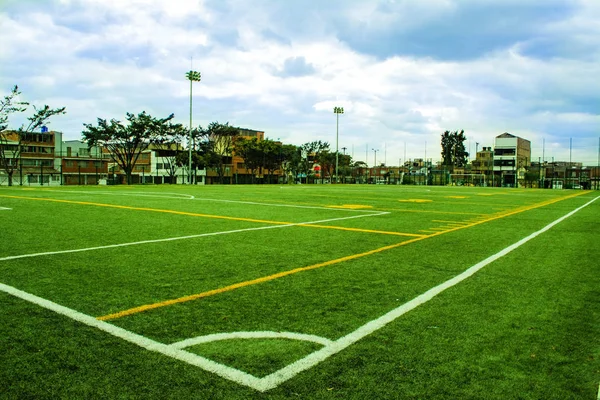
<point x="251" y="335"/>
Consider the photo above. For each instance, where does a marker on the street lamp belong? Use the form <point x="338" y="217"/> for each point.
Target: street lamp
<point x="337" y="111"/>
<point x="192" y="76"/>
<point x="375" y="163"/>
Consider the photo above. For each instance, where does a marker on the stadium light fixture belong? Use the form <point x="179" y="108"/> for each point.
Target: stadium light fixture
<point x="192" y="76"/>
<point x="337" y="111"/>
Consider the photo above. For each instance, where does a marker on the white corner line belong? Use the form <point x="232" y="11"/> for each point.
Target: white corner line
<point x="251" y="335"/>
<point x="275" y="379"/>
<point x="111" y="246"/>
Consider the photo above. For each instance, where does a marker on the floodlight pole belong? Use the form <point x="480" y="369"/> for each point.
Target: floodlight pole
<point x="337" y="111"/>
<point x="375" y="163"/>
<point x="192" y="76"/>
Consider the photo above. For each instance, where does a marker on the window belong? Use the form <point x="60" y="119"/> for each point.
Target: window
<point x="505" y="152"/>
<point x="504" y="163"/>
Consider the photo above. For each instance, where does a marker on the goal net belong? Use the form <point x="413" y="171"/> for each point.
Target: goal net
<point x="467" y="180"/>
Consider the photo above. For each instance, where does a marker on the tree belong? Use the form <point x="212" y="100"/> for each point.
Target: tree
<point x="291" y="159"/>
<point x="9" y="105"/>
<point x="311" y="152"/>
<point x="125" y="141"/>
<point x="271" y="156"/>
<point x="11" y="141"/>
<point x="359" y="169"/>
<point x="167" y="144"/>
<point x="327" y="161"/>
<point x="344" y="168"/>
<point x="251" y="152"/>
<point x="222" y="136"/>
<point x="454" y="154"/>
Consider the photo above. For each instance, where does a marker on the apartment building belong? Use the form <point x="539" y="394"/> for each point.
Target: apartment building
<point x="31" y="156"/>
<point x="512" y="155"/>
<point x="80" y="165"/>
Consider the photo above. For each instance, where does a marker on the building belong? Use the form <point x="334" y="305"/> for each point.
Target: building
<point x="80" y="165"/>
<point x="512" y="155"/>
<point x="34" y="163"/>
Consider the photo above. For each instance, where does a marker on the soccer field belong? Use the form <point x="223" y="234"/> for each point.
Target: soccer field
<point x="320" y="291"/>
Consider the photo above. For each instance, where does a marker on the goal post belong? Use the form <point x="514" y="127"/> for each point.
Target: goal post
<point x="468" y="180"/>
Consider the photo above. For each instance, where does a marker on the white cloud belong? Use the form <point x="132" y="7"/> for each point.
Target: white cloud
<point x="105" y="58"/>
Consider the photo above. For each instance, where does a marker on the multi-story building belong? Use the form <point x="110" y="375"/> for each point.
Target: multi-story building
<point x="31" y="156"/>
<point x="512" y="155"/>
<point x="81" y="165"/>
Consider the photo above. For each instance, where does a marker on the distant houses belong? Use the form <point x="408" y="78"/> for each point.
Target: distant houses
<point x="42" y="159"/>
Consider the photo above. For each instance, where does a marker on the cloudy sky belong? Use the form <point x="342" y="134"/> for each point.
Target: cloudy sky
<point x="404" y="70"/>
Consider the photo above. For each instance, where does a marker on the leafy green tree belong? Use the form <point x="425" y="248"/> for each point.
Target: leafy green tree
<point x="272" y="152"/>
<point x="454" y="154"/>
<point x="359" y="170"/>
<point x="291" y="159"/>
<point x="11" y="141"/>
<point x="250" y="151"/>
<point x="344" y="166"/>
<point x="223" y="137"/>
<point x="310" y="153"/>
<point x="327" y="161"/>
<point x="125" y="141"/>
<point x="167" y="144"/>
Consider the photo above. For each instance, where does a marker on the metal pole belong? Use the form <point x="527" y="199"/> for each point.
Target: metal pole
<point x="193" y="76"/>
<point x="425" y="163"/>
<point x="337" y="134"/>
<point x="190" y="138"/>
<point x="337" y="111"/>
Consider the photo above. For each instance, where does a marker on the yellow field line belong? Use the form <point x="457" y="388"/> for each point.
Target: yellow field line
<point x="450" y="222"/>
<point x="365" y="230"/>
<point x="87" y="203"/>
<point x="278" y="275"/>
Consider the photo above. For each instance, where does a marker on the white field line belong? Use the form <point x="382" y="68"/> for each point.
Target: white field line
<point x="111" y="246"/>
<point x="142" y="341"/>
<point x="251" y="335"/>
<point x="4" y="208"/>
<point x="275" y="379"/>
<point x="191" y="197"/>
<point x="166" y="195"/>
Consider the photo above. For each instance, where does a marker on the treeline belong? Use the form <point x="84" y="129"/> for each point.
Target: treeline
<point x="212" y="147"/>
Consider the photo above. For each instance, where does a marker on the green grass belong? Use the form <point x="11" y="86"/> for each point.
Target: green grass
<point x="524" y="327"/>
